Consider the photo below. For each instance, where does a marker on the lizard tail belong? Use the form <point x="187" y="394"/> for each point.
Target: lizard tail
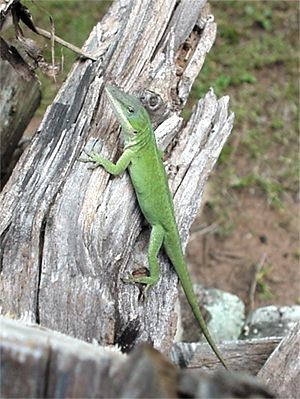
<point x="191" y="297"/>
<point x="187" y="285"/>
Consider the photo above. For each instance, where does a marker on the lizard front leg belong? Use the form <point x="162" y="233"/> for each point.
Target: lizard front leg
<point x="110" y="167"/>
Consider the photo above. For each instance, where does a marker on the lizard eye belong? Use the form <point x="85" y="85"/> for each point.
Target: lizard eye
<point x="134" y="132"/>
<point x="130" y="110"/>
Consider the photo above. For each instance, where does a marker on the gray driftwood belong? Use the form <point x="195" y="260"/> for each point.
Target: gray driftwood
<point x="246" y="356"/>
<point x="282" y="369"/>
<point x="19" y="98"/>
<point x="40" y="363"/>
<point x="69" y="234"/>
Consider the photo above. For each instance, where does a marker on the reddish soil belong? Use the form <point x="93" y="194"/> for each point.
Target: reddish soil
<point x="260" y="234"/>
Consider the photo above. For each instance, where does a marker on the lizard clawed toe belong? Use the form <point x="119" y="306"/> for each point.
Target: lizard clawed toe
<point x="88" y="154"/>
<point x="144" y="288"/>
<point x="128" y="280"/>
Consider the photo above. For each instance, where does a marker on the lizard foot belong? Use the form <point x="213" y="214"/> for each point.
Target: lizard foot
<point x="93" y="157"/>
<point x="139" y="277"/>
<point x="143" y="286"/>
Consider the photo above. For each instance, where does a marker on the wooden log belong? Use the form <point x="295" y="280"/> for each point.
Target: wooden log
<point x="19" y="98"/>
<point x="69" y="234"/>
<point x="244" y="356"/>
<point x="221" y="384"/>
<point x="281" y="372"/>
<point x="37" y="363"/>
<point x="41" y="363"/>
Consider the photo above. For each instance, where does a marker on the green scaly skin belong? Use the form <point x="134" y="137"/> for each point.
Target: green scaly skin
<point x="144" y="162"/>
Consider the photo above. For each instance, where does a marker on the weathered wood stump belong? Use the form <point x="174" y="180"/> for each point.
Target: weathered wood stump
<point x="19" y="98"/>
<point x="69" y="234"/>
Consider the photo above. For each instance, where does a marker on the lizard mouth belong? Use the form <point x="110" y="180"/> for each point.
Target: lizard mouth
<point x="117" y="99"/>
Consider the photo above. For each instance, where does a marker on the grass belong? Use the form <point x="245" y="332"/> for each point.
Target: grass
<point x="255" y="60"/>
<point x="263" y="287"/>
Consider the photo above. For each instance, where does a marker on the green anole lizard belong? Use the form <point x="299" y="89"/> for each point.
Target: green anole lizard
<point x="144" y="161"/>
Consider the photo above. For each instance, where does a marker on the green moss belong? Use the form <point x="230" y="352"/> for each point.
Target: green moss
<point x="263" y="286"/>
<point x="226" y="153"/>
<point x="297" y="254"/>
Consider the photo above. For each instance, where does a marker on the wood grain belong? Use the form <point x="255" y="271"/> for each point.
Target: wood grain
<point x="38" y="363"/>
<point x="243" y="356"/>
<point x="281" y="372"/>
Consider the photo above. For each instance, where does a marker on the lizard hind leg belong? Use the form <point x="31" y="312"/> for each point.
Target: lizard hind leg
<point x="155" y="243"/>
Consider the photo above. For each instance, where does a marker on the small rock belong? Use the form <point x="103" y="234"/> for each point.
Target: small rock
<point x="263" y="239"/>
<point x="223" y="312"/>
<point x="270" y="321"/>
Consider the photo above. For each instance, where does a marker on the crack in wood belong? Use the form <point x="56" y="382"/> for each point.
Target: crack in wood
<point x="161" y="45"/>
<point x="40" y="265"/>
<point x="2" y="245"/>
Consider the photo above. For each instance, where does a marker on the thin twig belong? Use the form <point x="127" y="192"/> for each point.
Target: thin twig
<point x="62" y="59"/>
<point x="253" y="286"/>
<point x="70" y="46"/>
<point x="219" y="255"/>
<point x="52" y="47"/>
<point x="205" y="250"/>
<point x="207" y="229"/>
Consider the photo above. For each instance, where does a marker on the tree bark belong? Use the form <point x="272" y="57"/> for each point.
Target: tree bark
<point x="69" y="234"/>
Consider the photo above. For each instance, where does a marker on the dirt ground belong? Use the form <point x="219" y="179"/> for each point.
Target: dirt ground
<point x="262" y="249"/>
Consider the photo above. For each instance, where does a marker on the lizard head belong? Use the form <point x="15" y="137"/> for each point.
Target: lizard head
<point x="129" y="112"/>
